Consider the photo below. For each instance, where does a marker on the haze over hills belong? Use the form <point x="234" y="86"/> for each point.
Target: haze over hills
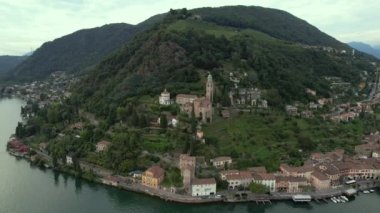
<point x="366" y="48"/>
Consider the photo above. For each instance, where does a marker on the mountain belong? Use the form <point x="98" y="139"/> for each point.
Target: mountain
<point x="366" y="48"/>
<point x="178" y="54"/>
<point x="77" y="51"/>
<point x="276" y="23"/>
<point x="8" y="62"/>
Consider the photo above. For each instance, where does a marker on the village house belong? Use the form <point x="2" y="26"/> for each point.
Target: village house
<point x="307" y="114"/>
<point x="290" y="184"/>
<point x="221" y="162"/>
<point x="102" y="145"/>
<point x="331" y="171"/>
<point x="244" y="96"/>
<point x="243" y="179"/>
<point x="320" y="181"/>
<point x="302" y="171"/>
<point x="258" y="169"/>
<point x="203" y="187"/>
<point x="266" y="179"/>
<point x="223" y="174"/>
<point x="187" y="165"/>
<point x="164" y="98"/>
<point x="336" y="155"/>
<point x="291" y="110"/>
<point x="153" y="176"/>
<point x="367" y="149"/>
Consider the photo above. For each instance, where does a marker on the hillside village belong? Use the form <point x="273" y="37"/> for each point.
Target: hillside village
<point x="226" y="138"/>
<point x="322" y="171"/>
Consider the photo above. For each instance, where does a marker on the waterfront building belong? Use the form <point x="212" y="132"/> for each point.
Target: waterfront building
<point x="266" y="179"/>
<point x="302" y="171"/>
<point x="153" y="176"/>
<point x="290" y="184"/>
<point x="102" y="145"/>
<point x="187" y="166"/>
<point x="320" y="181"/>
<point x="203" y="187"/>
<point x="244" y="178"/>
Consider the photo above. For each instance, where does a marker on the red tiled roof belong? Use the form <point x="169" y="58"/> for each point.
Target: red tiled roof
<point x="319" y="175"/>
<point x="156" y="171"/>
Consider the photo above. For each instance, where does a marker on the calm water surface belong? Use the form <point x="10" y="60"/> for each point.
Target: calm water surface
<point x="26" y="189"/>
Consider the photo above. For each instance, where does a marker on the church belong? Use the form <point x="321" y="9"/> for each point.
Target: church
<point x="202" y="105"/>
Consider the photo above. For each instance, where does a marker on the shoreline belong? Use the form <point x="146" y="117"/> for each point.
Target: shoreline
<point x="187" y="199"/>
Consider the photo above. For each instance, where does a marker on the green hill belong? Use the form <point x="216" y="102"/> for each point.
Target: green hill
<point x="180" y="52"/>
<point x="8" y="62"/>
<point x="277" y="23"/>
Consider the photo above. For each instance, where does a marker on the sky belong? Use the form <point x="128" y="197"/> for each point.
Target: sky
<point x="27" y="24"/>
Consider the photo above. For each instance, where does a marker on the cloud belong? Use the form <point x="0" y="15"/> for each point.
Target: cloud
<point x="26" y="24"/>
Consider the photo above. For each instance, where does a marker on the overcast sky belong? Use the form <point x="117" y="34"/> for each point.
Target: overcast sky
<point x="26" y="24"/>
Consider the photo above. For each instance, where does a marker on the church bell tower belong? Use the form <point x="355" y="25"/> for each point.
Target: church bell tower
<point x="209" y="88"/>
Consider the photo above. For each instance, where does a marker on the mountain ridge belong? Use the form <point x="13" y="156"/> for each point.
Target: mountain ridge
<point x="366" y="48"/>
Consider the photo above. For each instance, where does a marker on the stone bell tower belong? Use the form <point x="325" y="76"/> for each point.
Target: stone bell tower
<point x="209" y="88"/>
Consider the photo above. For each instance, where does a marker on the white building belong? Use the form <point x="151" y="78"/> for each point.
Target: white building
<point x="268" y="180"/>
<point x="164" y="98"/>
<point x="69" y="159"/>
<point x="203" y="187"/>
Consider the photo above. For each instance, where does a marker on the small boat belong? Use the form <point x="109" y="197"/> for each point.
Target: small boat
<point x="344" y="198"/>
<point x="371" y="190"/>
<point x="366" y="192"/>
<point x="333" y="200"/>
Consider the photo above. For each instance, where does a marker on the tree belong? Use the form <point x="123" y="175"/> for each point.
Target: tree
<point x="135" y="119"/>
<point x="143" y="121"/>
<point x="163" y="121"/>
<point x="193" y="121"/>
<point x="258" y="188"/>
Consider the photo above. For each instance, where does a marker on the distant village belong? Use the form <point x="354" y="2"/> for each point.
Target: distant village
<point x="43" y="93"/>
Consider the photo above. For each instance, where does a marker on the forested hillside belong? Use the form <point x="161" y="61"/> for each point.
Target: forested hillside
<point x="74" y="52"/>
<point x="8" y="62"/>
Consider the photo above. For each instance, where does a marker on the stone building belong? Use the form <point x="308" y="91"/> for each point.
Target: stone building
<point x="202" y="105"/>
<point x="187" y="166"/>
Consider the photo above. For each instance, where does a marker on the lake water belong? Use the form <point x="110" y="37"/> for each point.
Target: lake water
<point x="26" y="189"/>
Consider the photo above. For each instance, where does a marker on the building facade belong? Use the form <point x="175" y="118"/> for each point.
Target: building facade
<point x="164" y="98"/>
<point x="153" y="177"/>
<point x="203" y="187"/>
